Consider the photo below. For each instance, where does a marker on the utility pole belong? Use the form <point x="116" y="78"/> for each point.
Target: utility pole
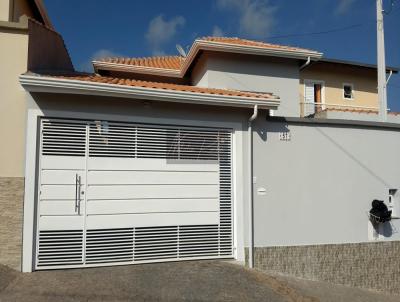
<point x="382" y="93"/>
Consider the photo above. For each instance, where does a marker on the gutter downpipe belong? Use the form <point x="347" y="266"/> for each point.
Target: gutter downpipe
<point x="306" y="63"/>
<point x="250" y="195"/>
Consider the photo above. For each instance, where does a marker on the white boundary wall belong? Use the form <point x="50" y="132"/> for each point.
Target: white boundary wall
<point x="320" y="182"/>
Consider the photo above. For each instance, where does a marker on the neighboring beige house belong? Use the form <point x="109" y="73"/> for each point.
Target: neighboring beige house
<point x="337" y="85"/>
<point x="24" y="45"/>
<point x="14" y="39"/>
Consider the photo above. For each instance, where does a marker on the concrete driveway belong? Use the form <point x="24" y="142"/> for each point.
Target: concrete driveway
<point x="179" y="281"/>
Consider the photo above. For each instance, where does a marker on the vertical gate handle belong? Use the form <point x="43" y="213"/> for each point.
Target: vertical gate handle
<point x="78" y="194"/>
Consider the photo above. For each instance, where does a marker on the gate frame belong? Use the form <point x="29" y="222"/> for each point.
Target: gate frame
<point x="32" y="170"/>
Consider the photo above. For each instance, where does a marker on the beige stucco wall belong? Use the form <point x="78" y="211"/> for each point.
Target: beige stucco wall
<point x="334" y="75"/>
<point x="4" y="10"/>
<point x="13" y="62"/>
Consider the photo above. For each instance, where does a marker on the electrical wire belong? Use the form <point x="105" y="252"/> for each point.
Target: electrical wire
<point x="334" y="30"/>
<point x="319" y="32"/>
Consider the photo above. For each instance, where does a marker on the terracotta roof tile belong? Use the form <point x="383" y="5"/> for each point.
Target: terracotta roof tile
<point x="176" y="62"/>
<point x="166" y="62"/>
<point x="167" y="86"/>
<point x="250" y="43"/>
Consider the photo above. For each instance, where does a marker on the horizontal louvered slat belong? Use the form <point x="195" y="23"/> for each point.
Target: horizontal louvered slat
<point x="107" y="139"/>
<point x="180" y="242"/>
<point x="109" y="245"/>
<point x="155" y="243"/>
<point x="60" y="247"/>
<point x="197" y="241"/>
<point x="63" y="138"/>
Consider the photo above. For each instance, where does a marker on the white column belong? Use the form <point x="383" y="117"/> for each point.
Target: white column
<point x="382" y="94"/>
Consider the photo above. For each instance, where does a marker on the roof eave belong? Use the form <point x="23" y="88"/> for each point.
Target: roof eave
<point x="34" y="83"/>
<point x="358" y="64"/>
<point x="251" y="50"/>
<point x="101" y="65"/>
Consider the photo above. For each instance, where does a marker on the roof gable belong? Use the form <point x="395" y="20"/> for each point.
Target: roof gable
<point x="176" y="66"/>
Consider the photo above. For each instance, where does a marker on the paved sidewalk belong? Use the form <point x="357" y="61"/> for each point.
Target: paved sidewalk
<point x="178" y="281"/>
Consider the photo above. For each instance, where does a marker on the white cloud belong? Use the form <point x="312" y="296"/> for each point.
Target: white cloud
<point x="99" y="54"/>
<point x="161" y="31"/>
<point x="256" y="17"/>
<point x="217" y="31"/>
<point x="344" y="6"/>
<point x="257" y="20"/>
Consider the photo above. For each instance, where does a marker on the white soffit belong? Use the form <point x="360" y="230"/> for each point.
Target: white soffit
<point x="35" y="83"/>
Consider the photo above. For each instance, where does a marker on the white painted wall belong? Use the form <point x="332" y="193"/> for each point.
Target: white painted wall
<point x="320" y="184"/>
<point x="391" y="118"/>
<point x="252" y="73"/>
<point x="4" y="10"/>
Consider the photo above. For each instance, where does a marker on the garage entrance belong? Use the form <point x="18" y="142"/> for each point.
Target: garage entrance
<point x="119" y="193"/>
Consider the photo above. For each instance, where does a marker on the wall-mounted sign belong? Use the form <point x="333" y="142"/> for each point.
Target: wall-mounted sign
<point x="285" y="136"/>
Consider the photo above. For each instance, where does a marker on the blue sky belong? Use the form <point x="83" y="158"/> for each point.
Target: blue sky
<point x="94" y="28"/>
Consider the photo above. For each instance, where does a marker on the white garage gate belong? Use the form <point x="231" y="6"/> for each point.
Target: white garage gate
<point x="119" y="193"/>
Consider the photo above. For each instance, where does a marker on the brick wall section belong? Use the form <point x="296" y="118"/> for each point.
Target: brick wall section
<point x="11" y="213"/>
<point x="374" y="265"/>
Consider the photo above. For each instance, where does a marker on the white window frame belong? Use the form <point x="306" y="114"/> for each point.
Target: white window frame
<point x="352" y="91"/>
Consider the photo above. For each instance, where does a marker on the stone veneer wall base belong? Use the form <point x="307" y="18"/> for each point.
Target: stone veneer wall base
<point x="11" y="216"/>
<point x="370" y="265"/>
